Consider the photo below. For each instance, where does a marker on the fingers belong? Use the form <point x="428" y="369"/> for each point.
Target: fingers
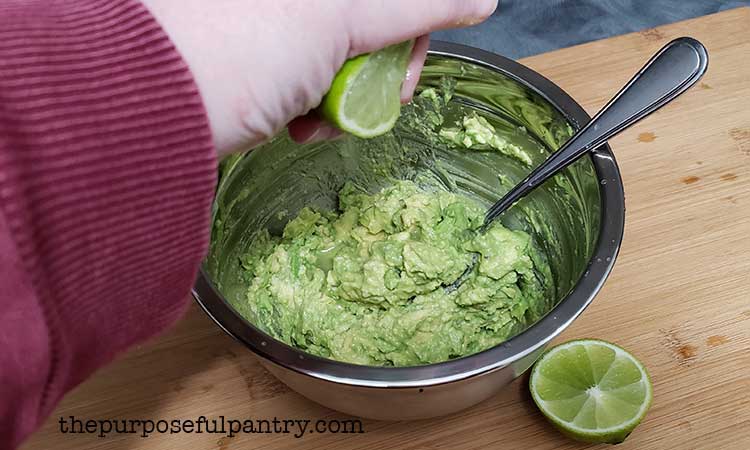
<point x="414" y="70"/>
<point x="312" y="128"/>
<point x="376" y="24"/>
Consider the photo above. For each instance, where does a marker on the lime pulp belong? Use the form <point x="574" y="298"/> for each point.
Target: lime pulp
<point x="592" y="390"/>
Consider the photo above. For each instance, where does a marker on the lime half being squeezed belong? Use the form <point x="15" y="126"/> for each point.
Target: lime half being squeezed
<point x="591" y="390"/>
<point x="365" y="96"/>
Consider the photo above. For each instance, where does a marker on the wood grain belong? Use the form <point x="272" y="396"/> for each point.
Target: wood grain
<point x="679" y="297"/>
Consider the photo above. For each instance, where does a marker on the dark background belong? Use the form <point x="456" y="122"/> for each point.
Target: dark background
<point x="526" y="27"/>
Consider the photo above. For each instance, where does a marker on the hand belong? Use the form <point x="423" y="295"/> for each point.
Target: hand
<point x="259" y="64"/>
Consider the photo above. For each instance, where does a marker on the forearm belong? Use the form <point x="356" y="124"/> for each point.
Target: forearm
<point x="106" y="174"/>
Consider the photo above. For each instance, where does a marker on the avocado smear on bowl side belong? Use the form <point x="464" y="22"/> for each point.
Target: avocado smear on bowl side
<point x="365" y="284"/>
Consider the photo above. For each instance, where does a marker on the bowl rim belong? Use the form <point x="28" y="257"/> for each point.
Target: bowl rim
<point x="504" y="354"/>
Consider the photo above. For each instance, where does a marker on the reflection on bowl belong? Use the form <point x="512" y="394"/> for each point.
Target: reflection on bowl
<point x="576" y="221"/>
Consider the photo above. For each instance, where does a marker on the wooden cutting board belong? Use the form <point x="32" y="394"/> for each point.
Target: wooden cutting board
<point x="679" y="296"/>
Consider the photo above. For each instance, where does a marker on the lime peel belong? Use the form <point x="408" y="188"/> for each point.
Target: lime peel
<point x="365" y="96"/>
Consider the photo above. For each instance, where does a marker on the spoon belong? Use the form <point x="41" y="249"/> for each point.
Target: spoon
<point x="669" y="73"/>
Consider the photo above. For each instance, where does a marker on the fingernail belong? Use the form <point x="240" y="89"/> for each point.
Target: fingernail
<point x="314" y="137"/>
<point x="468" y="22"/>
<point x="407" y="89"/>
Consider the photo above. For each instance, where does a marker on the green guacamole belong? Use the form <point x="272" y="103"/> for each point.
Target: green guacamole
<point x="365" y="284"/>
<point x="476" y="133"/>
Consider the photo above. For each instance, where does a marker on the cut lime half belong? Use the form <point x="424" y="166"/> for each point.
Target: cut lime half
<point x="365" y="96"/>
<point x="591" y="390"/>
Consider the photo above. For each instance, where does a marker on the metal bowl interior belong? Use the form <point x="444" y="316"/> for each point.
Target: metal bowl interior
<point x="577" y="218"/>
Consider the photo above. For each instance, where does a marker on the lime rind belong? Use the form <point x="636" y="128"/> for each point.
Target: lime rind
<point x="365" y="96"/>
<point x="571" y="379"/>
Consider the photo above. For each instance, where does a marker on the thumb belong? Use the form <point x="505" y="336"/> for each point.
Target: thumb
<point x="375" y="25"/>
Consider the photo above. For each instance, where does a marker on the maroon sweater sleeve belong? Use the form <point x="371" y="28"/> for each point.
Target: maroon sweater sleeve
<point x="106" y="177"/>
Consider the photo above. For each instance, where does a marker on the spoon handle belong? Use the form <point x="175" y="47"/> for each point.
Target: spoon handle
<point x="671" y="71"/>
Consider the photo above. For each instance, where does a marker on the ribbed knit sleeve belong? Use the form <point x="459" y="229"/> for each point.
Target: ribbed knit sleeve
<point x="106" y="176"/>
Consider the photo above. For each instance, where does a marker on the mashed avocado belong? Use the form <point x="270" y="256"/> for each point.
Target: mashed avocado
<point x="364" y="284"/>
<point x="477" y="133"/>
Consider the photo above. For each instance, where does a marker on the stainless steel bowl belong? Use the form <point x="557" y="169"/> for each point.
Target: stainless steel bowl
<point x="582" y="213"/>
